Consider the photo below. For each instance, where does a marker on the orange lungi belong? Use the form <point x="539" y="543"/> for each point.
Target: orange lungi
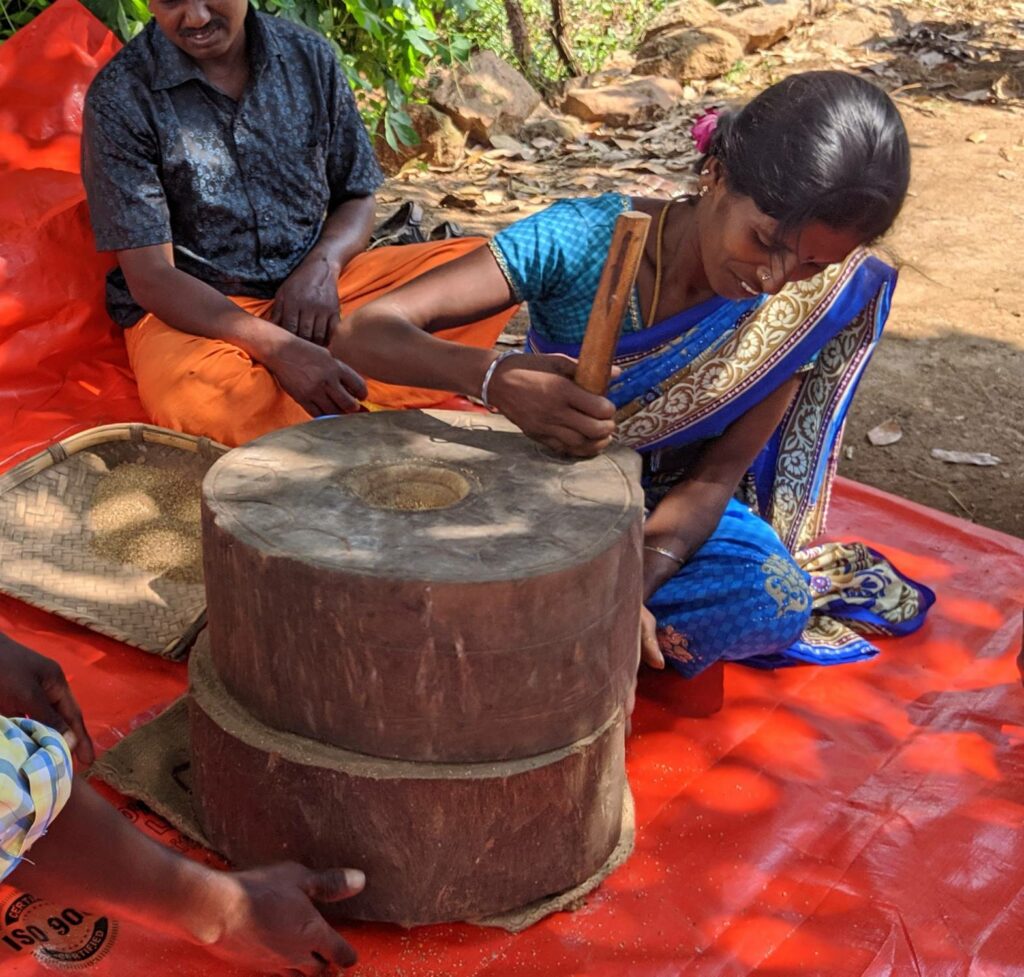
<point x="212" y="388"/>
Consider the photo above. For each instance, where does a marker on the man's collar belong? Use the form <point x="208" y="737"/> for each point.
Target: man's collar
<point x="173" y="67"/>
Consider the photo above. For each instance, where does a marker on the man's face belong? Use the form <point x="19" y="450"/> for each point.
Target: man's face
<point x="203" y="29"/>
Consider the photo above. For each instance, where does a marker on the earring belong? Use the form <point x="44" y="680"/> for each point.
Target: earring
<point x="702" y="192"/>
<point x="764" y="276"/>
<point x="705" y="171"/>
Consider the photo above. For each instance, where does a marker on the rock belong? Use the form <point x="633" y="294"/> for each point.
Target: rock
<point x="761" y="27"/>
<point x="681" y="15"/>
<point x="544" y="123"/>
<point x="603" y="78"/>
<point x="619" y="60"/>
<point x="631" y="101"/>
<point x="557" y="127"/>
<point x="440" y="143"/>
<point x="486" y="96"/>
<point x="700" y="52"/>
<point x="853" y="28"/>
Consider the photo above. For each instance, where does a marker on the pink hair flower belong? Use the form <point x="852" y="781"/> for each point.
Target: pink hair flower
<point x="703" y="129"/>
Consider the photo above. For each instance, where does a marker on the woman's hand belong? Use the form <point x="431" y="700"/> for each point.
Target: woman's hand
<point x="307" y="303"/>
<point x="650" y="651"/>
<point x="538" y="395"/>
<point x="34" y="686"/>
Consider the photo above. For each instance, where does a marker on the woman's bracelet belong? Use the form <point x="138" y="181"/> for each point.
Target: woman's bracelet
<point x="663" y="552"/>
<point x="489" y="375"/>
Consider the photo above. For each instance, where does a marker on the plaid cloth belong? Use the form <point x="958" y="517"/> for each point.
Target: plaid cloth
<point x="35" y="783"/>
<point x="553" y="261"/>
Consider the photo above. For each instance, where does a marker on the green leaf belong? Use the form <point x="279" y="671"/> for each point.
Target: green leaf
<point x="136" y="10"/>
<point x="417" y="42"/>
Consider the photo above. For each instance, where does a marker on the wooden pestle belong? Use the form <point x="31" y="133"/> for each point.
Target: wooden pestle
<point x="613" y="291"/>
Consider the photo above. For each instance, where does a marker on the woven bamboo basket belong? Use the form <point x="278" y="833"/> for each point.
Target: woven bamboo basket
<point x="49" y="555"/>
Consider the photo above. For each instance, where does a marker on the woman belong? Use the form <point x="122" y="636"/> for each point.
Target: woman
<point x="755" y="311"/>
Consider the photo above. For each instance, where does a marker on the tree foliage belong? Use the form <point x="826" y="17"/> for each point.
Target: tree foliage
<point x="553" y="40"/>
<point x="384" y="46"/>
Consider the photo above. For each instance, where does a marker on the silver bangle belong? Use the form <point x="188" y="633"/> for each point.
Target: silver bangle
<point x="663" y="552"/>
<point x="489" y="375"/>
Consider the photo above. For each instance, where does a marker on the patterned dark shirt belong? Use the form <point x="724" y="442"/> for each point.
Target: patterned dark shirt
<point x="242" y="189"/>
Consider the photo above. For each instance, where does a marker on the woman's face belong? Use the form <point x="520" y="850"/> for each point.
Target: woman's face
<point x="740" y="254"/>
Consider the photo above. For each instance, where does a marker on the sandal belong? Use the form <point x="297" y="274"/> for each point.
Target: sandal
<point x="446" y="230"/>
<point x="402" y="227"/>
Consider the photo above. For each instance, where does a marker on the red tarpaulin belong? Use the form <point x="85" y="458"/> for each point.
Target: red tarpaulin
<point x="857" y="821"/>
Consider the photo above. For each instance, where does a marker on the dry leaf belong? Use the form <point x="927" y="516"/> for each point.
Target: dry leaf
<point x="929" y="59"/>
<point x="1006" y="87"/>
<point x="457" y="202"/>
<point x="500" y="141"/>
<point x="542" y="143"/>
<point x="1007" y="174"/>
<point x="501" y="154"/>
<point x="656" y="184"/>
<point x="888" y="432"/>
<point x="982" y="458"/>
<point x="978" y="136"/>
<point x="1005" y="153"/>
<point x="978" y="95"/>
<point x="493" y="196"/>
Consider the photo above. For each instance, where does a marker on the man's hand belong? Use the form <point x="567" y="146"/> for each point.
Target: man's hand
<point x="264" y="919"/>
<point x="307" y="303"/>
<point x="314" y="378"/>
<point x="537" y="393"/>
<point x="34" y="686"/>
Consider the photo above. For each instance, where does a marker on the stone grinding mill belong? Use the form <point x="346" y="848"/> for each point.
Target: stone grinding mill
<point x="423" y="631"/>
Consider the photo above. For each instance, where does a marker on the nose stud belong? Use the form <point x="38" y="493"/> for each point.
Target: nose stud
<point x="764" y="276"/>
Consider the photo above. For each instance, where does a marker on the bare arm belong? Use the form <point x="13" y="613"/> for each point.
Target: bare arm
<point x="34" y="686"/>
<point x="192" y="306"/>
<point x="346" y="233"/>
<point x="307" y="301"/>
<point x="320" y="383"/>
<point x="263" y="919"/>
<point x="390" y="339"/>
<point x="689" y="513"/>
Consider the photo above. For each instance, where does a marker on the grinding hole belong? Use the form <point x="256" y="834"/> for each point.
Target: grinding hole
<point x="408" y="487"/>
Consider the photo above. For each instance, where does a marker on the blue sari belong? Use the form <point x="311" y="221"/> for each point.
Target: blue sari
<point x="756" y="591"/>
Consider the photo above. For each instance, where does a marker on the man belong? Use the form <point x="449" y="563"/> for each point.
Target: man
<point x="226" y="165"/>
<point x="262" y="920"/>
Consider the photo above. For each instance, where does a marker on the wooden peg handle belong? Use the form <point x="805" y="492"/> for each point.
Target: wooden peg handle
<point x="613" y="291"/>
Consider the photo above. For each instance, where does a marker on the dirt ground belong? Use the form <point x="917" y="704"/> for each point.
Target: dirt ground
<point x="950" y="370"/>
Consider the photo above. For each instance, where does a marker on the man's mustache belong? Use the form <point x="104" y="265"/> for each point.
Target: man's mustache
<point x="187" y="32"/>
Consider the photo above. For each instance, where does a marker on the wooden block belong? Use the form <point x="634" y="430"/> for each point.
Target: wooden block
<point x="437" y="842"/>
<point x="501" y="623"/>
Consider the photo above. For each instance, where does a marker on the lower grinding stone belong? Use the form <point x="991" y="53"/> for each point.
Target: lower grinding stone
<point x="437" y="842"/>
